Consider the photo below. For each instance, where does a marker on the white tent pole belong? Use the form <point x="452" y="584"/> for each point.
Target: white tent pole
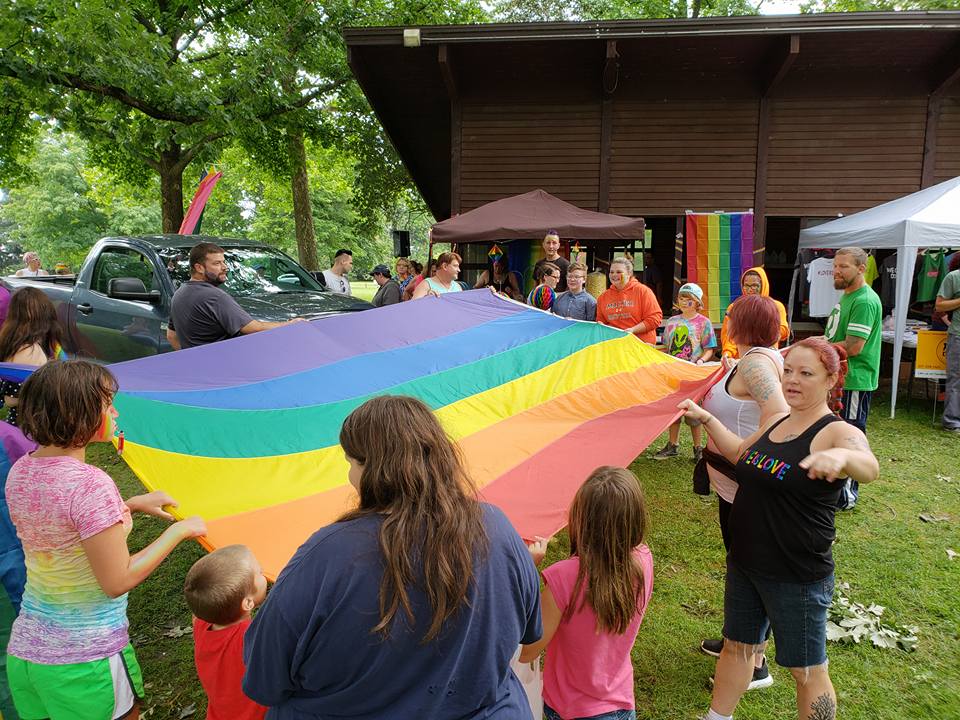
<point x="906" y="261"/>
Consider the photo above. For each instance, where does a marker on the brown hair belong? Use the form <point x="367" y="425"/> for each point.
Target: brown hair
<point x="199" y="252"/>
<point x="432" y="531"/>
<point x="608" y="519"/>
<point x="447" y="258"/>
<point x="62" y="403"/>
<point x="217" y="584"/>
<point x="543" y="268"/>
<point x="575" y="266"/>
<point x="31" y="320"/>
<point x="833" y="357"/>
<point x="754" y="321"/>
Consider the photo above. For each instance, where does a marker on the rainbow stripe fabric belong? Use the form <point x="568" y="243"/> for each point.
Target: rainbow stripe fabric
<point x="719" y="249"/>
<point x="245" y="432"/>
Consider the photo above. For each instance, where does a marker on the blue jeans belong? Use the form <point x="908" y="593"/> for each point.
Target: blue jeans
<point x="550" y="714"/>
<point x="797" y="612"/>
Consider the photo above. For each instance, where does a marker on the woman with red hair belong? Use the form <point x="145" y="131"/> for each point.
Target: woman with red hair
<point x="743" y="400"/>
<point x="780" y="565"/>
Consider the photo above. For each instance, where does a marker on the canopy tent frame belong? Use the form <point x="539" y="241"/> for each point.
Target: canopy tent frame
<point x="929" y="218"/>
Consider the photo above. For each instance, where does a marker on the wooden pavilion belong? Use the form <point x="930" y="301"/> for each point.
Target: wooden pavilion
<point x="798" y="117"/>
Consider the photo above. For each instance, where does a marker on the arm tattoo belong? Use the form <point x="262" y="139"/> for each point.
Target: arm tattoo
<point x="823" y="708"/>
<point x="857" y="443"/>
<point x="761" y="383"/>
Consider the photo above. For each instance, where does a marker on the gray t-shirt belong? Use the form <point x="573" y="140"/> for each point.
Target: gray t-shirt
<point x="337" y="283"/>
<point x="202" y="313"/>
<point x="950" y="290"/>
<point x="388" y="294"/>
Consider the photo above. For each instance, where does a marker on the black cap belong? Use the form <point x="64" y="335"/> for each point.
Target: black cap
<point x="381" y="269"/>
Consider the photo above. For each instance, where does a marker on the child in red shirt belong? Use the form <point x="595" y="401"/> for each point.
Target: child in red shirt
<point x="222" y="589"/>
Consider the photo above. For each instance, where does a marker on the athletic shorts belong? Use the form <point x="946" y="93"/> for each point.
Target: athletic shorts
<point x="107" y="689"/>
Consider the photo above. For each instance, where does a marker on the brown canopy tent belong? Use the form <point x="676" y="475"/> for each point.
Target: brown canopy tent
<point x="529" y="216"/>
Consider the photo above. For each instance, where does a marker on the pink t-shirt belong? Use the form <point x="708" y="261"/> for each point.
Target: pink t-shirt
<point x="55" y="503"/>
<point x="585" y="673"/>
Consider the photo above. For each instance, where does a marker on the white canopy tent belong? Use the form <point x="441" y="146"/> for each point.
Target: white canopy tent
<point x="929" y="218"/>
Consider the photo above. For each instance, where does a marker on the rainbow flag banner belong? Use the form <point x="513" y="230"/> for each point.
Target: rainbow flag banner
<point x="719" y="249"/>
<point x="245" y="432"/>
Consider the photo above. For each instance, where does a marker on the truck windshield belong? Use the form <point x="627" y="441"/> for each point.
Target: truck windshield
<point x="252" y="271"/>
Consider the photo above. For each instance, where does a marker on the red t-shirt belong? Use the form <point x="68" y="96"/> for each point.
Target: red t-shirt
<point x="218" y="655"/>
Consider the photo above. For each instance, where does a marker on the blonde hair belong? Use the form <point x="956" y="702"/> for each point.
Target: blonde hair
<point x="625" y="261"/>
<point x="217" y="584"/>
<point x="859" y="255"/>
<point x="575" y="266"/>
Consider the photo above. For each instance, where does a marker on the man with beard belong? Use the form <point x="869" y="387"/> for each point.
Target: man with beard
<point x="856" y="323"/>
<point x="201" y="312"/>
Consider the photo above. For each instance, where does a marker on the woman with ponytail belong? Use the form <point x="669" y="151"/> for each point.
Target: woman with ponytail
<point x="409" y="606"/>
<point x="780" y="565"/>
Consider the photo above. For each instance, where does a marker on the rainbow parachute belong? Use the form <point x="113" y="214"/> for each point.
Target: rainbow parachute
<point x="244" y="432"/>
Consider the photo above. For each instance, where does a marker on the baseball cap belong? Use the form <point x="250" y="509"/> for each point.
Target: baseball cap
<point x="691" y="289"/>
<point x="381" y="269"/>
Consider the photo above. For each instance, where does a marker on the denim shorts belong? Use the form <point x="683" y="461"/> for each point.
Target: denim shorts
<point x="797" y="612"/>
<point x="550" y="714"/>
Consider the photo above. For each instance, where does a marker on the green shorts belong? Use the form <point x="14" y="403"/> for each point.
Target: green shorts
<point x="105" y="689"/>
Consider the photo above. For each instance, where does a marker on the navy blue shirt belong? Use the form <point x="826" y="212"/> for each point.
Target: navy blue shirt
<point x="310" y="652"/>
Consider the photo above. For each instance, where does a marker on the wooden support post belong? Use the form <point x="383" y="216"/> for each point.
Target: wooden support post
<point x="609" y="81"/>
<point x="778" y="69"/>
<point x="456" y="126"/>
<point x="946" y="75"/>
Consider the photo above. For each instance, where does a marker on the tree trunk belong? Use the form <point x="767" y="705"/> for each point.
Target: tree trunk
<point x="302" y="211"/>
<point x="171" y="189"/>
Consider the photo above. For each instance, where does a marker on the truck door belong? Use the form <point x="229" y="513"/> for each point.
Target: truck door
<point x="110" y="329"/>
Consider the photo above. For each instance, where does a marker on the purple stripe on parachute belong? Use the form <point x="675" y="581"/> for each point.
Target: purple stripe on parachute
<point x="253" y="358"/>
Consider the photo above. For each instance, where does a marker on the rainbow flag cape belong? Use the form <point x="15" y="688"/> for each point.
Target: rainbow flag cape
<point x="245" y="432"/>
<point x="719" y="249"/>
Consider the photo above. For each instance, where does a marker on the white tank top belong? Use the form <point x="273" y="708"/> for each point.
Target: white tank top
<point x="741" y="417"/>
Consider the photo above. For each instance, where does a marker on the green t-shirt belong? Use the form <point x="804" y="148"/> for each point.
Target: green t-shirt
<point x="859" y="314"/>
<point x="933" y="267"/>
<point x="950" y="290"/>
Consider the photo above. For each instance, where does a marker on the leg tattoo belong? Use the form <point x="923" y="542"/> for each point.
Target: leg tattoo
<point x="823" y="708"/>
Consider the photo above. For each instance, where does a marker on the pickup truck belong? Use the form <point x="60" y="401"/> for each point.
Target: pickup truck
<point x="118" y="306"/>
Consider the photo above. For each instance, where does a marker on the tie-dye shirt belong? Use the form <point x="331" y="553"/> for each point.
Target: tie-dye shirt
<point x="55" y="503"/>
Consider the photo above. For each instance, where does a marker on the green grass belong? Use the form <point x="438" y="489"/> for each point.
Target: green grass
<point x="363" y="289"/>
<point x="887" y="554"/>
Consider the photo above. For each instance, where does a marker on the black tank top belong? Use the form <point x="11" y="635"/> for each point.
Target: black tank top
<point x="782" y="522"/>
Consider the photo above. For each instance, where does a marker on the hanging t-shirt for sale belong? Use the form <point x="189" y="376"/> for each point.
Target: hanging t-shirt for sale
<point x="933" y="268"/>
<point x="888" y="281"/>
<point x="823" y="296"/>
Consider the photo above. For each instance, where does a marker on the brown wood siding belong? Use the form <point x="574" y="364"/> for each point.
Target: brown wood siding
<point x="673" y="156"/>
<point x="511" y="149"/>
<point x="948" y="141"/>
<point x="843" y="155"/>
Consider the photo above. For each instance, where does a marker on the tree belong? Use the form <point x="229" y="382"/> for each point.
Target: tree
<point x="68" y="206"/>
<point x="153" y="85"/>
<point x="557" y="10"/>
<point x="822" y="6"/>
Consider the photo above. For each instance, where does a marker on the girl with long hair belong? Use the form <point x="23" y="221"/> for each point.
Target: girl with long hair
<point x="31" y="335"/>
<point x="410" y="605"/>
<point x="594" y="601"/>
<point x="789" y="474"/>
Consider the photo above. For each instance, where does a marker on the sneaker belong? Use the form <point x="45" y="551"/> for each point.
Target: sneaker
<point x="761" y="677"/>
<point x="697" y="454"/>
<point x="711" y="647"/>
<point x="669" y="450"/>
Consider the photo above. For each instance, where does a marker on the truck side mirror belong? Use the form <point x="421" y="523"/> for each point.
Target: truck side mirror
<point x="128" y="288"/>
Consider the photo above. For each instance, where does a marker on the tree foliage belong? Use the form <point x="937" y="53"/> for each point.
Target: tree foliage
<point x="561" y="10"/>
<point x="821" y="6"/>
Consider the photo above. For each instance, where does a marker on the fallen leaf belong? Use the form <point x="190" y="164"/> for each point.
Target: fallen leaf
<point x="934" y="517"/>
<point x="187" y="711"/>
<point x="177" y="631"/>
<point x="952" y="554"/>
